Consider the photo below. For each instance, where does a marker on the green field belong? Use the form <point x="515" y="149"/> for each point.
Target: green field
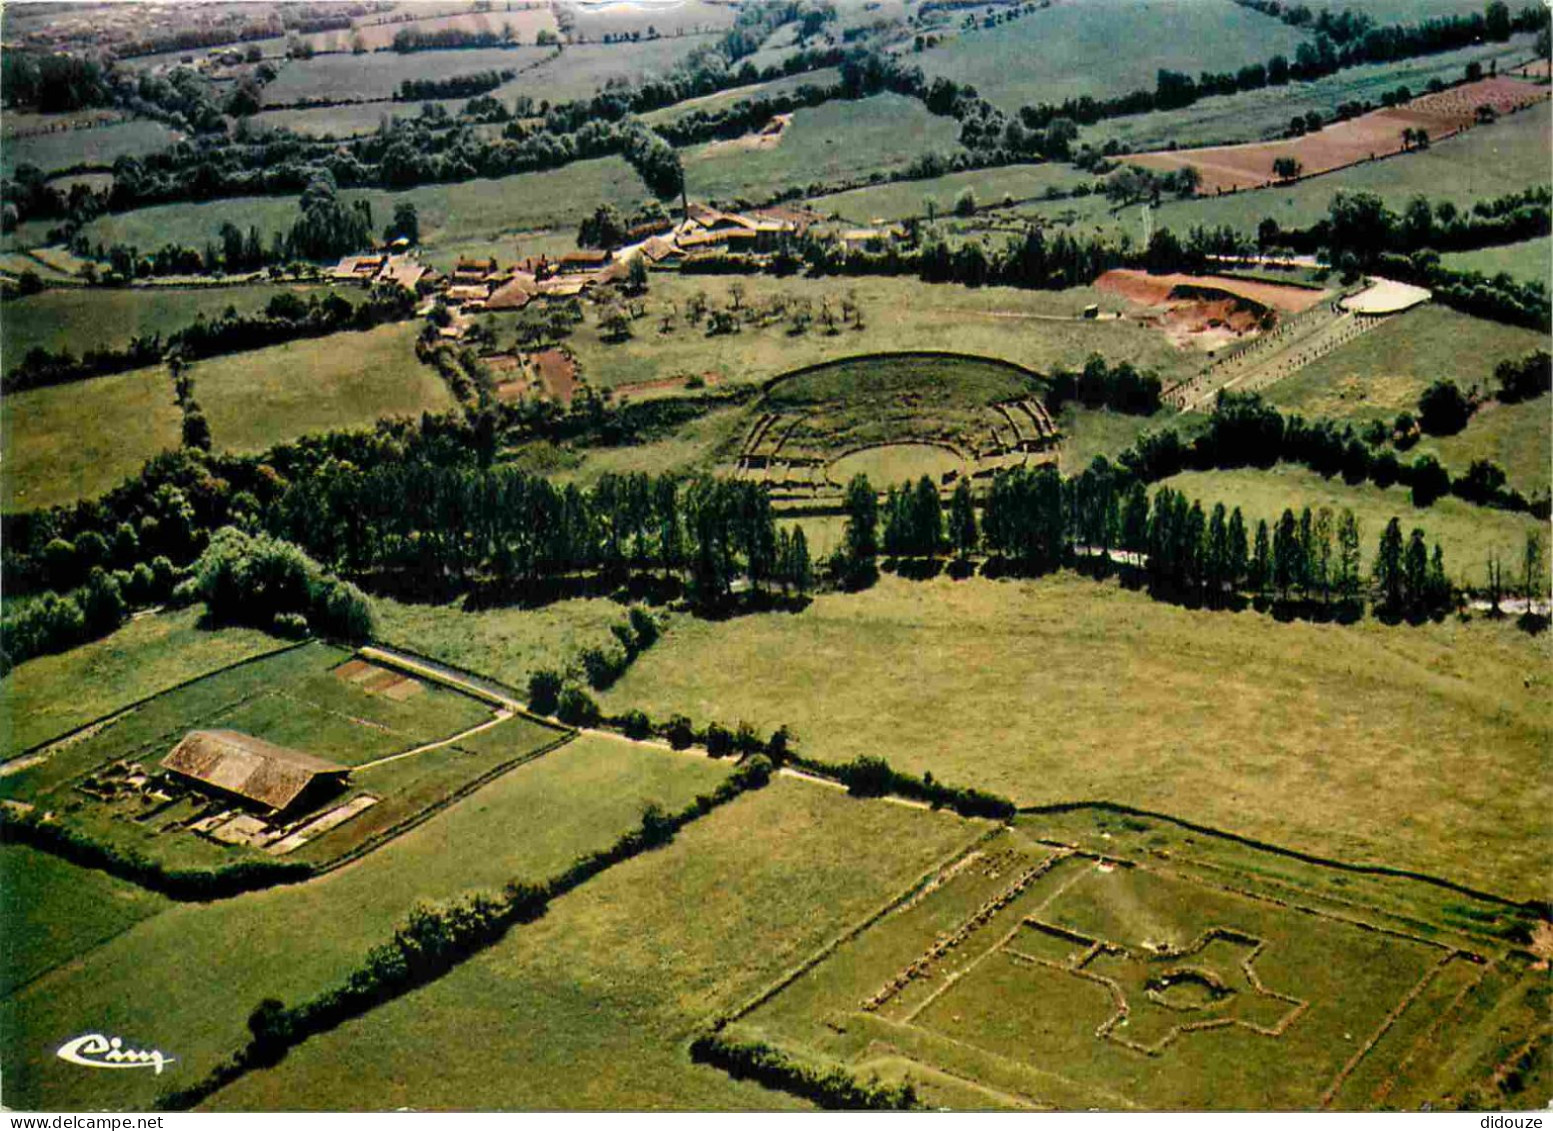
<point x="1530" y="261"/>
<point x="507" y="644"/>
<point x="1088" y="432"/>
<point x="298" y="940"/>
<point x="1385" y="371"/>
<point x="346" y="120"/>
<point x="49" y="695"/>
<point x="75" y="441"/>
<point x="378" y="74"/>
<point x="79" y="319"/>
<point x="448" y="213"/>
<point x="839" y="141"/>
<point x="1516" y="437"/>
<point x="1466" y="533"/>
<point x="1366" y="743"/>
<point x="1073" y="50"/>
<point x="100" y="146"/>
<point x="615" y="978"/>
<point x="1036" y="329"/>
<point x="901" y="199"/>
<point x="827" y="76"/>
<point x="594" y="21"/>
<point x="1257" y="114"/>
<point x="54" y="911"/>
<point x="1083" y="988"/>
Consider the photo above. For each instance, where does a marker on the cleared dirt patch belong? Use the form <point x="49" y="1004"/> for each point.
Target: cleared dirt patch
<point x="1227" y="168"/>
<point x="387" y="682"/>
<point x="557" y="373"/>
<point x="769" y="136"/>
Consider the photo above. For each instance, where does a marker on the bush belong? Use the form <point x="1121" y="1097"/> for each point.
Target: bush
<point x="292" y="625"/>
<point x="1443" y="410"/>
<point x="252" y="579"/>
<point x="601" y="668"/>
<point x="719" y="741"/>
<point x="544" y="691"/>
<point x="636" y="724"/>
<point x="577" y="708"/>
<point x="679" y="732"/>
<point x="645" y="629"/>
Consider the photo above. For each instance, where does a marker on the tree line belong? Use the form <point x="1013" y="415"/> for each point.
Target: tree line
<point x="287" y="317"/>
<point x="454" y="86"/>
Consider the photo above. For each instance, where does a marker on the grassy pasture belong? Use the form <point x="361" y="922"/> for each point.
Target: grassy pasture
<point x="79" y="319"/>
<point x="525" y="24"/>
<point x="824" y="144"/>
<point x="76" y="441"/>
<point x="725" y="98"/>
<point x="580" y="71"/>
<point x="507" y="644"/>
<point x="1512" y="154"/>
<point x="1256" y="114"/>
<point x="347" y="120"/>
<point x="902" y="199"/>
<point x="1527" y="262"/>
<point x="378" y="74"/>
<point x="50" y="695"/>
<point x="618" y="974"/>
<point x="1037" y="329"/>
<point x="1088" y="432"/>
<point x="293" y="942"/>
<point x="1011" y="1016"/>
<point x="1072" y="50"/>
<point x="1366" y="743"/>
<point x="102" y="145"/>
<point x="698" y="446"/>
<point x="1466" y="533"/>
<point x="54" y="911"/>
<point x="255" y="400"/>
<point x="448" y="213"/>
<point x="1516" y="437"/>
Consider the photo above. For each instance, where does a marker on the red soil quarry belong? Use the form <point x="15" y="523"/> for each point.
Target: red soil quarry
<point x="1227" y="168"/>
<point x="1205" y="311"/>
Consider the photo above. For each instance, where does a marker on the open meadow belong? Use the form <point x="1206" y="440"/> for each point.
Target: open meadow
<point x="348" y="77"/>
<point x="1365" y="743"/>
<point x="510" y="830"/>
<point x="98" y="147"/>
<point x="620" y="973"/>
<point x="837" y="142"/>
<point x="1035" y="329"/>
<point x="1529" y="261"/>
<point x="1070" y="50"/>
<point x="252" y="400"/>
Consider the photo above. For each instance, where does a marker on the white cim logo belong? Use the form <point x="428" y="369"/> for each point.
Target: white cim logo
<point x="93" y="1050"/>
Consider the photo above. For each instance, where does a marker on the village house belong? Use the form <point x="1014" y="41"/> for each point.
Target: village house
<point x="261" y="775"/>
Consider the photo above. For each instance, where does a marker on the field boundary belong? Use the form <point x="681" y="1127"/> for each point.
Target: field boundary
<point x="1539" y="907"/>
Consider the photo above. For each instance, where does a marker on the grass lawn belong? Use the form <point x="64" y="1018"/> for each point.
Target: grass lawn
<point x="1487" y="161"/>
<point x="347" y="380"/>
<point x="1102" y="48"/>
<point x="1384" y="372"/>
<point x="902" y="199"/>
<point x="1466" y="533"/>
<point x="616" y="977"/>
<point x="507" y="644"/>
<point x="1091" y="432"/>
<point x="1037" y="329"/>
<point x="100" y="146"/>
<point x="1516" y="437"/>
<point x="448" y="213"/>
<point x="75" y="441"/>
<point x="1257" y="114"/>
<point x="80" y="319"/>
<point x="839" y="141"/>
<point x="293" y="942"/>
<point x="378" y="74"/>
<point x="1529" y="261"/>
<point x="50" y="695"/>
<point x="1366" y="743"/>
<point x="54" y="911"/>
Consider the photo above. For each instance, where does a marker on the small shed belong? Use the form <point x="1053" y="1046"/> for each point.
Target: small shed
<point x="272" y="778"/>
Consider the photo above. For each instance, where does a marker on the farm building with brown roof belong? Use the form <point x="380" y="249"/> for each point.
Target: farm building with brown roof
<point x="250" y="769"/>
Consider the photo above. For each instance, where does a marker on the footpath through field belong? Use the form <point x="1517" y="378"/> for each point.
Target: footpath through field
<point x="509" y="705"/>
